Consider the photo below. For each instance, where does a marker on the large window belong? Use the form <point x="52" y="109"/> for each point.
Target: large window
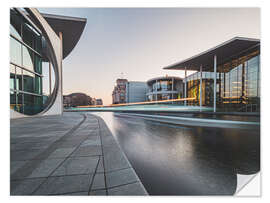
<point x="163" y="85"/>
<point x="240" y="84"/>
<point x="27" y="74"/>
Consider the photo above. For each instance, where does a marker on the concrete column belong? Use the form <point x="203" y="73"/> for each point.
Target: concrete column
<point x="215" y="82"/>
<point x="185" y="93"/>
<point x="201" y="88"/>
<point x="61" y="73"/>
<point x="50" y="76"/>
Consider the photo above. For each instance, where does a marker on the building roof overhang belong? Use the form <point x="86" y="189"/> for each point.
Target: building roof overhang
<point x="224" y="52"/>
<point x="70" y="27"/>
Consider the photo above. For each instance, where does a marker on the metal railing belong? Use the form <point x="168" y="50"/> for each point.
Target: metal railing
<point x="137" y="103"/>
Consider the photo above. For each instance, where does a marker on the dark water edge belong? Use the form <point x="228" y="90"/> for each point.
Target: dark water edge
<point x="177" y="160"/>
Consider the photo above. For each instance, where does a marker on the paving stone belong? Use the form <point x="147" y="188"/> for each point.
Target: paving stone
<point x="98" y="192"/>
<point x="94" y="132"/>
<point x="26" y="186"/>
<point x="29" y="145"/>
<point x="22" y="155"/>
<point x="92" y="141"/>
<point x="130" y="189"/>
<point x="76" y="194"/>
<point x="83" y="132"/>
<point x="46" y="168"/>
<point x="88" y="151"/>
<point x="65" y="184"/>
<point x="77" y="165"/>
<point x="61" y="153"/>
<point x="23" y="171"/>
<point x="121" y="177"/>
<point x="69" y="143"/>
<point x="108" y="140"/>
<point x="114" y="159"/>
<point x="15" y="165"/>
<point x="100" y="168"/>
<point x="77" y="139"/>
<point x="40" y="147"/>
<point x="98" y="182"/>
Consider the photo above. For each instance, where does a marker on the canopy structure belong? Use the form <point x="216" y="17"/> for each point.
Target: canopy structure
<point x="70" y="27"/>
<point x="224" y="52"/>
<point x="210" y="59"/>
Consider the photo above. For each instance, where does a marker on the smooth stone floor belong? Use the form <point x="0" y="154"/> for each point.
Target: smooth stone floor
<point x="72" y="154"/>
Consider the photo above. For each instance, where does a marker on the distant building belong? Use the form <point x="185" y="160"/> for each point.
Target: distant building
<point x="164" y="88"/>
<point x="119" y="92"/>
<point x="136" y="91"/>
<point x="99" y="102"/>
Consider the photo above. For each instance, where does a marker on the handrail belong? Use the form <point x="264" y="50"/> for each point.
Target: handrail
<point x="135" y="103"/>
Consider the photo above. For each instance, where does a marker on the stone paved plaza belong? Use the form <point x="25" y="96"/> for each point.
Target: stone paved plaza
<point x="72" y="154"/>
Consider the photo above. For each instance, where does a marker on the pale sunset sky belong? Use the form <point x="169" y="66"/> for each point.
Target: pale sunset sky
<point x="139" y="42"/>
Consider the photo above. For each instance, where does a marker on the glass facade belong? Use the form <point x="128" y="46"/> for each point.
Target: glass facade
<point x="28" y="75"/>
<point x="193" y="88"/>
<point x="238" y="85"/>
<point x="162" y="85"/>
<point x="164" y="89"/>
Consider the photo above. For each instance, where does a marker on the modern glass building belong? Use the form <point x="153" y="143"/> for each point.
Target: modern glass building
<point x="164" y="88"/>
<point x="228" y="77"/>
<point x="38" y="44"/>
<point x="193" y="88"/>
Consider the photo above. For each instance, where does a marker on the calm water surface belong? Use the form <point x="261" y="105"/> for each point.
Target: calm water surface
<point x="176" y="160"/>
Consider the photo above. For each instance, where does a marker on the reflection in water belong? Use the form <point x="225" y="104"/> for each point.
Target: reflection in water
<point x="175" y="160"/>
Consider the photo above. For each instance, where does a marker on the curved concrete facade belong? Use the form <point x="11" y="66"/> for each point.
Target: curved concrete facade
<point x="54" y="54"/>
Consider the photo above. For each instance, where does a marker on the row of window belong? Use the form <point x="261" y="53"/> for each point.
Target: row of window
<point x="159" y="97"/>
<point x="24" y="31"/>
<point x="163" y="85"/>
<point x="238" y="83"/>
<point x="32" y="78"/>
<point x="232" y="83"/>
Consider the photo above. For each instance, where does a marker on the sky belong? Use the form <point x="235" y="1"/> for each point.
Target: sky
<point x="136" y="43"/>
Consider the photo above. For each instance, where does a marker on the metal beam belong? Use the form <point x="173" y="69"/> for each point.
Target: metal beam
<point x="172" y="88"/>
<point x="215" y="82"/>
<point x="156" y="90"/>
<point x="201" y="88"/>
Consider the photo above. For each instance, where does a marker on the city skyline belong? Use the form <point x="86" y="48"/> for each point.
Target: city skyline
<point x="139" y="42"/>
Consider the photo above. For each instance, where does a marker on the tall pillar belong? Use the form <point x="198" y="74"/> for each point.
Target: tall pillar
<point x="201" y="88"/>
<point x="185" y="85"/>
<point x="172" y="87"/>
<point x="50" y="76"/>
<point x="215" y="82"/>
<point x="61" y="74"/>
<point x="156" y="90"/>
